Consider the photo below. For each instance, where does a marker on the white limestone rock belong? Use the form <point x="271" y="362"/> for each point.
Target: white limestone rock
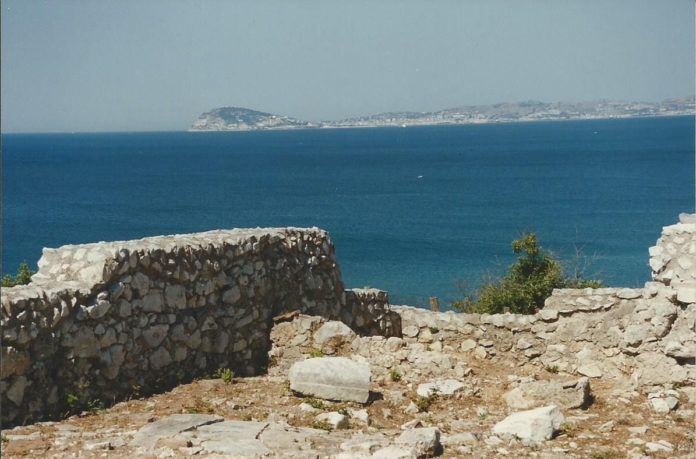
<point x="440" y="387"/>
<point x="468" y="345"/>
<point x="410" y="331"/>
<point x="332" y="378"/>
<point x="395" y="452"/>
<point x="360" y="415"/>
<point x="333" y="334"/>
<point x="425" y="441"/>
<point x="686" y="294"/>
<point x="168" y="426"/>
<point x="664" y="401"/>
<point x="658" y="446"/>
<point x="334" y="419"/>
<point x="655" y="369"/>
<point x="307" y="408"/>
<point x="567" y="395"/>
<point x="536" y="425"/>
<point x="591" y="370"/>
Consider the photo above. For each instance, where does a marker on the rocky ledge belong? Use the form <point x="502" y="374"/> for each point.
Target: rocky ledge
<point x="331" y="393"/>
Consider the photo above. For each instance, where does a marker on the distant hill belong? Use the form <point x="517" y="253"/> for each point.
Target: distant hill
<point x="244" y="119"/>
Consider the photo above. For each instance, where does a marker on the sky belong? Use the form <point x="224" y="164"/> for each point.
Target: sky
<point x="149" y="65"/>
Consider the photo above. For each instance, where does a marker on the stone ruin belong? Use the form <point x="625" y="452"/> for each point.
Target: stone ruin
<point x="104" y="320"/>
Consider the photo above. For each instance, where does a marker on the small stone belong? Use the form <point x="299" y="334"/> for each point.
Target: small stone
<point x="686" y="294"/>
<point x="333" y="333"/>
<point x="425" y="336"/>
<point x="639" y="429"/>
<point x="532" y="394"/>
<point x="334" y="419"/>
<point x="591" y="370"/>
<point x="436" y="346"/>
<point x="660" y="445"/>
<point x="410" y="331"/>
<point x="426" y="441"/>
<point x="480" y="353"/>
<point x="629" y="293"/>
<point x="412" y="424"/>
<point x="535" y="425"/>
<point x="307" y="408"/>
<point x="16" y="391"/>
<point x="360" y="415"/>
<point x="663" y="403"/>
<point x="412" y="408"/>
<point x="154" y="335"/>
<point x="493" y="440"/>
<point x="548" y="315"/>
<point x="462" y="438"/>
<point x="394" y="452"/>
<point x="175" y="296"/>
<point x="607" y="426"/>
<point x="468" y="345"/>
<point x="160" y="358"/>
<point x="124" y="309"/>
<point x="153" y="302"/>
<point x="141" y="283"/>
<point x="98" y="310"/>
<point x="523" y="344"/>
<point x="232" y="295"/>
<point x="440" y="387"/>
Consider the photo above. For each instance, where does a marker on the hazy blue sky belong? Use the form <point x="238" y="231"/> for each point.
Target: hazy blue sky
<point x="157" y="64"/>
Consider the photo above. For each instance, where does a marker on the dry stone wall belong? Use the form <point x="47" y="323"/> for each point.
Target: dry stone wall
<point x="673" y="258"/>
<point x="368" y="312"/>
<point x="645" y="335"/>
<point x="100" y="322"/>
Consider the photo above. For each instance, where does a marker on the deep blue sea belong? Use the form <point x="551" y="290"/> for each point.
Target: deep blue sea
<point x="415" y="211"/>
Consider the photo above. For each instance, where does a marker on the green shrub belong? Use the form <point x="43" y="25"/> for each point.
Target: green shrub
<point x="22" y="277"/>
<point x="527" y="284"/>
<point x="424" y="403"/>
<point x="80" y="399"/>
<point x="316" y="403"/>
<point x="225" y="374"/>
<point x="395" y="375"/>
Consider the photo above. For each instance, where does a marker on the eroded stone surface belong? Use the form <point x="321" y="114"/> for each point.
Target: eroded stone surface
<point x="332" y="378"/>
<point x="538" y="424"/>
<point x="568" y="395"/>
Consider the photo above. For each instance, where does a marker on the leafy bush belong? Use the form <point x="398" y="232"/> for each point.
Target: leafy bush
<point x="527" y="284"/>
<point x="22" y="277"/>
<point x="225" y="374"/>
<point x="424" y="403"/>
<point x="395" y="375"/>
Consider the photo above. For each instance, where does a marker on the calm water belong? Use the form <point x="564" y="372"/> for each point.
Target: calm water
<point x="412" y="211"/>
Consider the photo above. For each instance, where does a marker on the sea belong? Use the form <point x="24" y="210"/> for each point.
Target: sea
<point x="418" y="211"/>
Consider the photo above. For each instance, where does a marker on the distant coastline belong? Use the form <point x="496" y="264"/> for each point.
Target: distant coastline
<point x="244" y="119"/>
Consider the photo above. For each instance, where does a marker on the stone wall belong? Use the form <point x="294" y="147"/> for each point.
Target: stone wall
<point x="100" y="322"/>
<point x="646" y="335"/>
<point x="368" y="312"/>
<point x="673" y="259"/>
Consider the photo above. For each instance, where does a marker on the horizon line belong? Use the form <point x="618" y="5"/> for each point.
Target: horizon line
<point x="188" y="130"/>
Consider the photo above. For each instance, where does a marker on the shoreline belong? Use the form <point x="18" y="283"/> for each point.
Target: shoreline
<point x="399" y="126"/>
